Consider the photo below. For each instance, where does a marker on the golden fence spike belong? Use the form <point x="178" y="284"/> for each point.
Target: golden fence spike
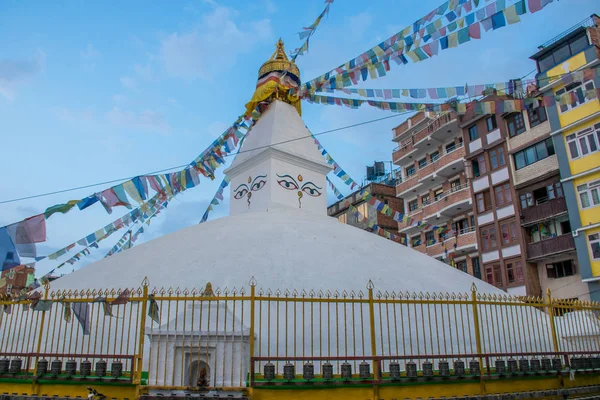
<point x="473" y="287"/>
<point x="344" y="294"/>
<point x="218" y="291"/>
<point x="242" y="291"/>
<point x="414" y="295"/>
<point x="311" y="293"/>
<point x="252" y="281"/>
<point x="320" y="293"/>
<point x="336" y="294"/>
<point x="393" y="295"/>
<point x="162" y="291"/>
<point x="278" y="293"/>
<point x="139" y="291"/>
<point x="352" y="294"/>
<point x="434" y="296"/>
<point x="145" y="282"/>
<point x="269" y="292"/>
<point x="226" y="291"/>
<point x="260" y="292"/>
<point x="177" y="291"/>
<point x="453" y="296"/>
<point x="303" y="293"/>
<point x="113" y="292"/>
<point x="427" y="295"/>
<point x="407" y="295"/>
<point x="295" y="293"/>
<point x="386" y="295"/>
<point x="234" y="291"/>
<point x="186" y="291"/>
<point x="286" y="293"/>
<point x="370" y="285"/>
<point x="328" y="293"/>
<point x="447" y="296"/>
<point x="378" y="294"/>
<point x="170" y="291"/>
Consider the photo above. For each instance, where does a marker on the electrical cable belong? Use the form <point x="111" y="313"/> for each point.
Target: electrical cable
<point x="185" y="165"/>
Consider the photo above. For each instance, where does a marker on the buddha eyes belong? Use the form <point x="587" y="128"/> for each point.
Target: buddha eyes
<point x="311" y="189"/>
<point x="257" y="185"/>
<point x="287" y="182"/>
<point x="240" y="192"/>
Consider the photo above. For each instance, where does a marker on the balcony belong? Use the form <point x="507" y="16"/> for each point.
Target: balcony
<point x="550" y="246"/>
<point x="543" y="210"/>
<point x="449" y="203"/>
<point x="466" y="242"/>
<point x="413" y="123"/>
<point x="415" y="215"/>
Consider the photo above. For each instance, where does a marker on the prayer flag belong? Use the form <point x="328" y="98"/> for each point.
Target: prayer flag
<point x="62" y="208"/>
<point x="82" y="313"/>
<point x="8" y="252"/>
<point x="153" y="310"/>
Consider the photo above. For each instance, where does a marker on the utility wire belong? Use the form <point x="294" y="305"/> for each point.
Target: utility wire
<point x="185" y="165"/>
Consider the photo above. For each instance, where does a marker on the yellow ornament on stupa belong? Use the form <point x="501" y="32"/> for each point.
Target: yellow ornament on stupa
<point x="278" y="78"/>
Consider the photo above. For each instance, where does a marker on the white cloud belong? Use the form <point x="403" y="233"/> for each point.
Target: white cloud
<point x="128" y="82"/>
<point x="14" y="72"/>
<point x="90" y="53"/>
<point x="213" y="45"/>
<point x="147" y="119"/>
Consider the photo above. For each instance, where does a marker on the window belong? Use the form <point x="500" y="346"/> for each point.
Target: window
<point x="503" y="195"/>
<point x="589" y="194"/>
<point x="343" y="218"/>
<point x="595" y="245"/>
<point x="476" y="267"/>
<point x="460" y="226"/>
<point x="479" y="166"/>
<point x="514" y="272"/>
<point x="422" y="163"/>
<point x="461" y="265"/>
<point x="483" y="201"/>
<point x="566" y="50"/>
<point x="533" y="154"/>
<point x="429" y="238"/>
<point x="425" y="199"/>
<point x="491" y="123"/>
<point x="415" y="241"/>
<point x="439" y="193"/>
<point x="488" y="238"/>
<point x="536" y="116"/>
<point x="509" y="232"/>
<point x="560" y="269"/>
<point x="473" y="134"/>
<point x="585" y="142"/>
<point x="526" y="200"/>
<point x="410" y="170"/>
<point x="450" y="147"/>
<point x="413" y="205"/>
<point x="9" y="289"/>
<point x="434" y="156"/>
<point x="362" y="209"/>
<point x="516" y="124"/>
<point x="497" y="158"/>
<point x="455" y="185"/>
<point x="579" y="89"/>
<point x="493" y="275"/>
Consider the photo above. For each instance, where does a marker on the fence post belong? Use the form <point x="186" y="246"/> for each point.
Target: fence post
<point x="477" y="324"/>
<point x="552" y="325"/>
<point x="141" y="338"/>
<point x="252" y="310"/>
<point x="370" y="287"/>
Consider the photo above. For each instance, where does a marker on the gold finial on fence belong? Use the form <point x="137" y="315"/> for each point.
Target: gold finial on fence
<point x="370" y="285"/>
<point x="252" y="281"/>
<point x="208" y="290"/>
<point x="473" y="287"/>
<point x="145" y="282"/>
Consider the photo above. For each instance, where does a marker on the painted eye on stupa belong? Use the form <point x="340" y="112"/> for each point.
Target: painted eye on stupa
<point x="240" y="191"/>
<point x="311" y="189"/>
<point x="287" y="182"/>
<point x="258" y="183"/>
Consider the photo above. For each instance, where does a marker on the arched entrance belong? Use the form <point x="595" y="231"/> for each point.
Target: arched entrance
<point x="196" y="367"/>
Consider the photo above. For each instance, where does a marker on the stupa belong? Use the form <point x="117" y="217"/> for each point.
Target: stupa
<point x="278" y="235"/>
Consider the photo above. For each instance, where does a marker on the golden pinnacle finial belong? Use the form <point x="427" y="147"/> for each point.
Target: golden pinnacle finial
<point x="279" y="61"/>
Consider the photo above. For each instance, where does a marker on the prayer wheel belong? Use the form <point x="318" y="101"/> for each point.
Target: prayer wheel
<point x="595" y="363"/>
<point x="346" y="371"/>
<point x="546" y="364"/>
<point x="101" y="367"/>
<point x="364" y="370"/>
<point x="576" y="363"/>
<point x="427" y="369"/>
<point x="308" y="371"/>
<point x="269" y="371"/>
<point x="394" y="370"/>
<point x="524" y="365"/>
<point x="474" y="367"/>
<point x="534" y="365"/>
<point x="500" y="367"/>
<point x="444" y="368"/>
<point x="116" y="369"/>
<point x="55" y="368"/>
<point x="71" y="367"/>
<point x="513" y="366"/>
<point x="411" y="369"/>
<point x="556" y="364"/>
<point x="15" y="366"/>
<point x="4" y="365"/>
<point x="289" y="371"/>
<point x="327" y="370"/>
<point x="42" y="367"/>
<point x="85" y="369"/>
<point x="459" y="367"/>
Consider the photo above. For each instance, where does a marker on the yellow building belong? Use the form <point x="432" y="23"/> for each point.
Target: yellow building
<point x="568" y="68"/>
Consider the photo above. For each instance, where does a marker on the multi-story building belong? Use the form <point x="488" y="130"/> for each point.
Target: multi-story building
<point x="16" y="279"/>
<point x="435" y="190"/>
<point x="385" y="194"/>
<point x="575" y="132"/>
<point x="498" y="232"/>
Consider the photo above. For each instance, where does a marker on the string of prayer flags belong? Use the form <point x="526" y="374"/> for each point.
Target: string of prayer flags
<point x="217" y="198"/>
<point x="337" y="170"/>
<point x="61" y="208"/>
<point x="308" y="32"/>
<point x="8" y="251"/>
<point x="337" y="193"/>
<point x="425" y="42"/>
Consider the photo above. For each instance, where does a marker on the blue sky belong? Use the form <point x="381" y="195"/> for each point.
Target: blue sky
<point x="95" y="91"/>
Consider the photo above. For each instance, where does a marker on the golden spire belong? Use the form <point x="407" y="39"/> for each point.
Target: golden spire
<point x="279" y="61"/>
